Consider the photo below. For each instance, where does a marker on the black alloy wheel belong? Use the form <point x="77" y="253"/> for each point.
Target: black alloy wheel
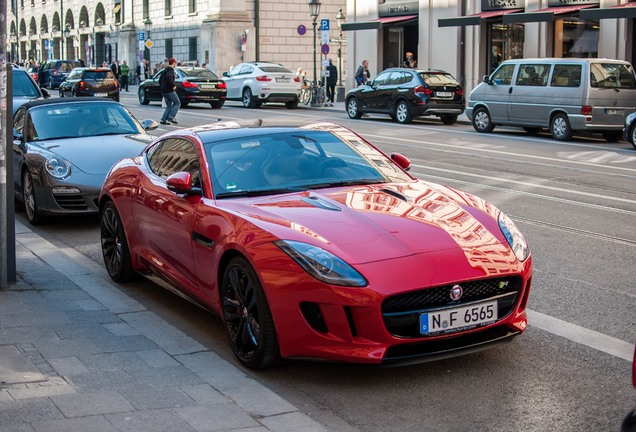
<point x="28" y="197"/>
<point x="482" y="121"/>
<point x="143" y="98"/>
<point x="247" y="317"/>
<point x="632" y="135"/>
<point x="114" y="244"/>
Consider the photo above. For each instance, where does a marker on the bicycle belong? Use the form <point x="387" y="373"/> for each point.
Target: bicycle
<point x="312" y="93"/>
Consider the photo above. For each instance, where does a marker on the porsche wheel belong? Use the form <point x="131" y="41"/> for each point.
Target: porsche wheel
<point x="143" y="98"/>
<point x="247" y="317"/>
<point x="353" y="109"/>
<point x="114" y="245"/>
<point x="28" y="197"/>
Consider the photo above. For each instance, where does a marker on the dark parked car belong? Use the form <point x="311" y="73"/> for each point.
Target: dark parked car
<point x="630" y="129"/>
<point x="24" y="88"/>
<point x="629" y="422"/>
<point x="63" y="149"/>
<point x="53" y="72"/>
<point x="407" y="93"/>
<point x="89" y="81"/>
<point x="194" y="85"/>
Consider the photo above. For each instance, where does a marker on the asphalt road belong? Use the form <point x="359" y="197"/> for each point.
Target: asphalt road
<point x="574" y="202"/>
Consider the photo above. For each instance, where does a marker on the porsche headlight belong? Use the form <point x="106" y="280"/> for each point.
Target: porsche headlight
<point x="57" y="167"/>
<point x="514" y="237"/>
<point x="322" y="265"/>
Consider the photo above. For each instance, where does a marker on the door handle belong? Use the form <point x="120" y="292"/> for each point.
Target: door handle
<point x="510" y="90"/>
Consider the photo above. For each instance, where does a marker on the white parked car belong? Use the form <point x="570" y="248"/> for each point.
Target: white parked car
<point x="255" y="83"/>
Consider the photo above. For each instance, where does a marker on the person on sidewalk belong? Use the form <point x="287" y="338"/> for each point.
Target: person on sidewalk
<point x="124" y="70"/>
<point x="362" y="74"/>
<point x="332" y="79"/>
<point x="168" y="91"/>
<point x="115" y="68"/>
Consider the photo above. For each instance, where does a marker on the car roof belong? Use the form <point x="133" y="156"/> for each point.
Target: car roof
<point x="52" y="101"/>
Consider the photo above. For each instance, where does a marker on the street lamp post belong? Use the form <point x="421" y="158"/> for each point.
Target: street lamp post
<point x="147" y="28"/>
<point x="314" y="11"/>
<point x="340" y="17"/>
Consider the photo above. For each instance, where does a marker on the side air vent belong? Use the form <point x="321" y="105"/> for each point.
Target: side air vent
<point x="313" y="316"/>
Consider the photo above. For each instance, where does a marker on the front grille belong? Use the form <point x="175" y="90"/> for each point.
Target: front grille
<point x="71" y="202"/>
<point x="401" y="312"/>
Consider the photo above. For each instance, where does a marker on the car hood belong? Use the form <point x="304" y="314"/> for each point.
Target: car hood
<point x="97" y="154"/>
<point x="371" y="223"/>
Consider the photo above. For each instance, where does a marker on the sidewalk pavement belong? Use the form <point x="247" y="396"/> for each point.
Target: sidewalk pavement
<point x="78" y="355"/>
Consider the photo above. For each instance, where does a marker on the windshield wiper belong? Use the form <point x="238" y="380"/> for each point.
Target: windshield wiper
<point x="355" y="182"/>
<point x="262" y="192"/>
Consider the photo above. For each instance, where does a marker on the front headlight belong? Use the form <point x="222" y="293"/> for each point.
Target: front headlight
<point x="322" y="265"/>
<point x="514" y="237"/>
<point x="57" y="167"/>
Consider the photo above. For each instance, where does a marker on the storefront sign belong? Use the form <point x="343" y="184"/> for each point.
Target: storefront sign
<point x="491" y="5"/>
<point x="553" y="3"/>
<point x="398" y="7"/>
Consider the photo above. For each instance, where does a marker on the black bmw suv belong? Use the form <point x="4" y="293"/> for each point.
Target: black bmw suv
<point x="406" y="93"/>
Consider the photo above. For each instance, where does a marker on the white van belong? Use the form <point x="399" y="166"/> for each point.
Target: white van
<point x="564" y="95"/>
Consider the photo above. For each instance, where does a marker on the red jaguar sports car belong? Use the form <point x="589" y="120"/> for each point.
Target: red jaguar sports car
<point x="309" y="242"/>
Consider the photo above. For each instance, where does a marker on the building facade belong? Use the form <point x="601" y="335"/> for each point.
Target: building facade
<point x="469" y="38"/>
<point x="219" y="33"/>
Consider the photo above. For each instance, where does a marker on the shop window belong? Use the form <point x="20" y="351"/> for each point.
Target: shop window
<point x="566" y="76"/>
<point x="169" y="48"/>
<point x="578" y="38"/>
<point x="505" y="41"/>
<point x="533" y="75"/>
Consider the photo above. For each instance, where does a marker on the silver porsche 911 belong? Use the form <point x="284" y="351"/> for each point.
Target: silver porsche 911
<point x="64" y="148"/>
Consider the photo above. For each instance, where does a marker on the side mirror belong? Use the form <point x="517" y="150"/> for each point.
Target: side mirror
<point x="401" y="160"/>
<point x="45" y="93"/>
<point x="181" y="183"/>
<point x="149" y="125"/>
<point x="17" y="136"/>
<point x="486" y="79"/>
<point x="226" y="74"/>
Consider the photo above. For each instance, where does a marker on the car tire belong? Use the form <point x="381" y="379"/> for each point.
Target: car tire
<point x="560" y="127"/>
<point x="248" y="98"/>
<point x="247" y="317"/>
<point x="291" y="104"/>
<point x="632" y="136"/>
<point x="115" y="249"/>
<point x="403" y="113"/>
<point x="482" y="121"/>
<point x="50" y="84"/>
<point x="143" y="97"/>
<point x="28" y="198"/>
<point x="116" y="98"/>
<point x="352" y="108"/>
<point x="448" y="119"/>
<point x="61" y="93"/>
<point x="217" y="104"/>
<point x="612" y="136"/>
<point x="532" y="130"/>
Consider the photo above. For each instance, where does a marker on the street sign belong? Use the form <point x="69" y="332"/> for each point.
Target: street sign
<point x="141" y="36"/>
<point x="324" y="49"/>
<point x="324" y="24"/>
<point x="324" y="37"/>
<point x="148" y="44"/>
<point x="301" y="30"/>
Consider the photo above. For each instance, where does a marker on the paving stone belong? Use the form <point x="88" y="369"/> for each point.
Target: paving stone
<point x="168" y="376"/>
<point x="55" y="386"/>
<point x="216" y="417"/>
<point x="86" y="404"/>
<point x="81" y="331"/>
<point x="101" y="317"/>
<point x="121" y="329"/>
<point x="144" y="397"/>
<point x="15" y="367"/>
<point x="68" y="366"/>
<point x="81" y="424"/>
<point x="292" y="422"/>
<point x="107" y="294"/>
<point x="35" y="318"/>
<point x="204" y="394"/>
<point x="157" y="358"/>
<point x="22" y="427"/>
<point x="164" y="420"/>
<point x="5" y="396"/>
<point x="172" y="340"/>
<point x="27" y="411"/>
<point x="31" y="334"/>
<point x="65" y="348"/>
<point x="112" y="380"/>
<point x="120" y="361"/>
<point x="90" y="305"/>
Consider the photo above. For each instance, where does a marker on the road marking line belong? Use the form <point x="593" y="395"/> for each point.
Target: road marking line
<point x="581" y="335"/>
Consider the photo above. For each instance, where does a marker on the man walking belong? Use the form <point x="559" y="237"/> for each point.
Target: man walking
<point x="124" y="70"/>
<point x="332" y="79"/>
<point x="115" y="68"/>
<point x="362" y="74"/>
<point x="168" y="91"/>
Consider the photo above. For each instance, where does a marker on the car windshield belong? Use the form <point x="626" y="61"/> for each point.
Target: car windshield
<point x="612" y="75"/>
<point x="75" y="120"/>
<point x="438" y="79"/>
<point x="198" y="73"/>
<point x="297" y="160"/>
<point x="23" y="86"/>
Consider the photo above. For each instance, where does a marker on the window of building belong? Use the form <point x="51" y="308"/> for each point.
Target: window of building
<point x="169" y="48"/>
<point x="576" y="38"/>
<point x="167" y="5"/>
<point x="192" y="49"/>
<point x="146" y="9"/>
<point x="118" y="11"/>
<point x="505" y="41"/>
<point x="192" y="6"/>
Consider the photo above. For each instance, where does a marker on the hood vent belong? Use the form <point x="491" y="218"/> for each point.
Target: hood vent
<point x="320" y="203"/>
<point x="395" y="194"/>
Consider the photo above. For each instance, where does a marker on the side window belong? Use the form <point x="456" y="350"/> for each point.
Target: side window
<point x="533" y="75"/>
<point x="406" y="78"/>
<point x="18" y="121"/>
<point x="381" y="79"/>
<point x="566" y="76"/>
<point x="503" y="75"/>
<point x="175" y="155"/>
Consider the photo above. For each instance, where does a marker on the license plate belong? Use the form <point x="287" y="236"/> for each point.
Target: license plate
<point x="283" y="80"/>
<point x="101" y="94"/>
<point x="207" y="86"/>
<point x="614" y="112"/>
<point x="443" y="94"/>
<point x="454" y="319"/>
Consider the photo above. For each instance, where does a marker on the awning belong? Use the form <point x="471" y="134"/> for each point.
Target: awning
<point x="377" y="23"/>
<point x="544" y="15"/>
<point x="625" y="10"/>
<point x="474" y="19"/>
